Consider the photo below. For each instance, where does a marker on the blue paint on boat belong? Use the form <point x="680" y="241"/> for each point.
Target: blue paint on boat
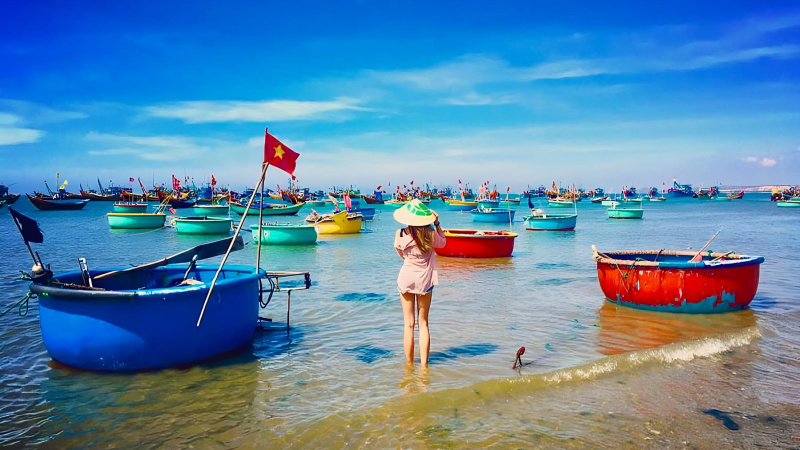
<point x="144" y="321"/>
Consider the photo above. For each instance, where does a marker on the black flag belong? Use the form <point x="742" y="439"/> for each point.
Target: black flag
<point x="529" y="202"/>
<point x="28" y="227"/>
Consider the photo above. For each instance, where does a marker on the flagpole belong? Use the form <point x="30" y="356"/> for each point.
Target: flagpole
<point x="19" y="227"/>
<point x="260" y="222"/>
<point x="235" y="235"/>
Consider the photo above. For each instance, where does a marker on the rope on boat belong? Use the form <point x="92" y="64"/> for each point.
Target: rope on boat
<point x="22" y="303"/>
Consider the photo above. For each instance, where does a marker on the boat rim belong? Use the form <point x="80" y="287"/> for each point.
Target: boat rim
<point x="731" y="260"/>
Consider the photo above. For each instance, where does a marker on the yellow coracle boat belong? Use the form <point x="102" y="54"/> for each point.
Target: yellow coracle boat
<point x="339" y="223"/>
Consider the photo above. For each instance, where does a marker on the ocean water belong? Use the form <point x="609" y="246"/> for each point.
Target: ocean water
<point x="594" y="374"/>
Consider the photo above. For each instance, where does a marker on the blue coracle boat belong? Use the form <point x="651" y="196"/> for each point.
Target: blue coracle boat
<point x="489" y="215"/>
<point x="147" y="319"/>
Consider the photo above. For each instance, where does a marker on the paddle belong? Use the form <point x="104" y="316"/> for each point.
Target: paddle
<point x="203" y="251"/>
<point x="698" y="256"/>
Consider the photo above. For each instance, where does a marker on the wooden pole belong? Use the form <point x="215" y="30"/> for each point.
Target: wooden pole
<point x="235" y="234"/>
<point x="698" y="256"/>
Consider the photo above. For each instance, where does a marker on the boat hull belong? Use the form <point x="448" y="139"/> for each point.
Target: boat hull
<point x="622" y="213"/>
<point x="211" y="210"/>
<point x="675" y="285"/>
<point x="339" y="223"/>
<point x="203" y="225"/>
<point x="123" y="329"/>
<point x="132" y="221"/>
<point x="458" y="205"/>
<point x="269" y="209"/>
<point x="477" y="244"/>
<point x="551" y="222"/>
<point x="789" y="204"/>
<point x="285" y="234"/>
<point x="70" y="204"/>
<point x="130" y="208"/>
<point x="493" y="216"/>
<point x="561" y="204"/>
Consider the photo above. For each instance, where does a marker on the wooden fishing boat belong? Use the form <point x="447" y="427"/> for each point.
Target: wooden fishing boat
<point x="284" y="234"/>
<point x="339" y="223"/>
<point x="658" y="199"/>
<point x="136" y="221"/>
<point x="202" y="225"/>
<point x="52" y="204"/>
<point x="269" y="209"/>
<point x="461" y="205"/>
<point x="560" y="202"/>
<point x="126" y="207"/>
<point x="736" y="196"/>
<point x="620" y="211"/>
<point x="492" y="215"/>
<point x="599" y="199"/>
<point x="669" y="281"/>
<point x="791" y="203"/>
<point x="211" y="210"/>
<point x="7" y="197"/>
<point x="542" y="221"/>
<point x="477" y="244"/>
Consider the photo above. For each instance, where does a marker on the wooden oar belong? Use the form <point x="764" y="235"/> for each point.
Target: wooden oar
<point x="698" y="256"/>
<point x="203" y="251"/>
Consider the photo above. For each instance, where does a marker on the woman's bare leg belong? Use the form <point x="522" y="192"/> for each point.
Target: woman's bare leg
<point x="423" y="306"/>
<point x="407" y="300"/>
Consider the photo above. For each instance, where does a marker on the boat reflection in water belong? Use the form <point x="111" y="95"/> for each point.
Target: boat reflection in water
<point x="625" y="330"/>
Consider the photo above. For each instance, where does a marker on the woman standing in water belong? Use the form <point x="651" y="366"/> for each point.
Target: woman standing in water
<point x="415" y="244"/>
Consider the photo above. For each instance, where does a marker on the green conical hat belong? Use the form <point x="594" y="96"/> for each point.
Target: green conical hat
<point x="414" y="213"/>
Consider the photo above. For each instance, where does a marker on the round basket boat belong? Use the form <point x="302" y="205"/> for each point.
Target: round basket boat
<point x="477" y="244"/>
<point x="284" y="234"/>
<point x="669" y="281"/>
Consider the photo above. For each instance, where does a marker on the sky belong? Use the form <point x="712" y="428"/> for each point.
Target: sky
<point x="371" y="93"/>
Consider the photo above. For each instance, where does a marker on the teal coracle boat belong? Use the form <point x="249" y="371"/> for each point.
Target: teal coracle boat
<point x="489" y="203"/>
<point x="202" y="225"/>
<point x="561" y="203"/>
<point x="793" y="203"/>
<point x="130" y="207"/>
<point x="268" y="209"/>
<point x="136" y="220"/>
<point x="541" y="221"/>
<point x="210" y="210"/>
<point x="284" y="234"/>
<point x="620" y="212"/>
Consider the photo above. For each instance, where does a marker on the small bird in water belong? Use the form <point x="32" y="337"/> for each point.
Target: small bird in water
<point x="518" y="359"/>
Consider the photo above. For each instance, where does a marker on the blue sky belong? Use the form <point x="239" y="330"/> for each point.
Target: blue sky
<point x="378" y="92"/>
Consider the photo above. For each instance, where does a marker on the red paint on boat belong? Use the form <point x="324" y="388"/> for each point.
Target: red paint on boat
<point x="477" y="244"/>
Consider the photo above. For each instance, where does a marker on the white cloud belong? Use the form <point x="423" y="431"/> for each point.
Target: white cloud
<point x="768" y="162"/>
<point x="194" y="112"/>
<point x="13" y="136"/>
<point x="32" y="113"/>
<point x="150" y="148"/>
<point x="751" y="159"/>
<point x="8" y="119"/>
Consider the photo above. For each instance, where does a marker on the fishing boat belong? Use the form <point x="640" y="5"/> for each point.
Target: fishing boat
<point x="721" y="198"/>
<point x="136" y="221"/>
<point x="57" y="204"/>
<point x="128" y="207"/>
<point x="678" y="281"/>
<point x="7" y="197"/>
<point x="600" y="200"/>
<point x="658" y="199"/>
<point x="2" y="203"/>
<point x="680" y="190"/>
<point x="542" y="221"/>
<point x="284" y="234"/>
<point x="268" y="209"/>
<point x="737" y="196"/>
<point x="793" y="202"/>
<point x="492" y="215"/>
<point x="210" y="210"/>
<point x="477" y="244"/>
<point x="461" y="205"/>
<point x="622" y="211"/>
<point x="561" y="202"/>
<point x="338" y="223"/>
<point x="202" y="225"/>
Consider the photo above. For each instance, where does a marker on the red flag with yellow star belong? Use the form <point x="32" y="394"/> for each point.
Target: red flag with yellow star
<point x="278" y="154"/>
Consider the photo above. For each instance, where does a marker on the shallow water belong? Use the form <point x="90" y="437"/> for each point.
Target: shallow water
<point x="594" y="374"/>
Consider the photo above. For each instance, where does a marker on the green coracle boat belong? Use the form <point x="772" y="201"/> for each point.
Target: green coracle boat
<point x="123" y="207"/>
<point x="136" y="220"/>
<point x="620" y="212"/>
<point x="202" y="225"/>
<point x="284" y="234"/>
<point x="210" y="210"/>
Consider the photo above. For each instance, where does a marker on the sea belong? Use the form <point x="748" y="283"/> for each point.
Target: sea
<point x="593" y="375"/>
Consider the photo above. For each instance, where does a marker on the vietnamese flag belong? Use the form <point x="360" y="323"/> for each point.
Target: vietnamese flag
<point x="278" y="154"/>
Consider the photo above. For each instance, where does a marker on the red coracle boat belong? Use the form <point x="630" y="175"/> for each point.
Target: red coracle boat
<point x="662" y="280"/>
<point x="477" y="244"/>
